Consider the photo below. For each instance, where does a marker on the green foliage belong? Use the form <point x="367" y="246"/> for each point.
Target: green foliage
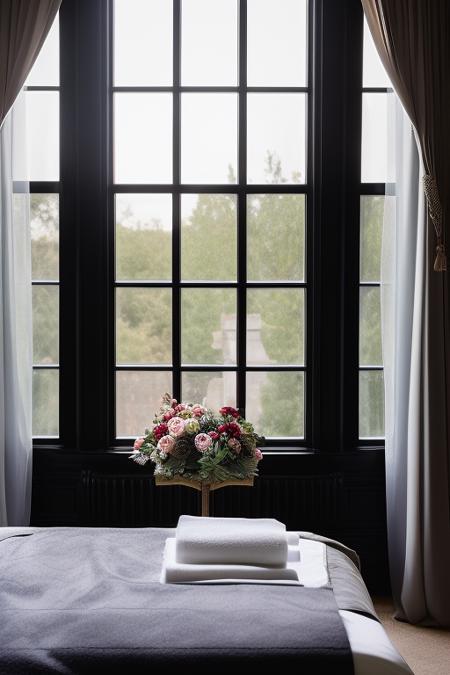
<point x="282" y="399"/>
<point x="45" y="402"/>
<point x="45" y="325"/>
<point x="372" y="211"/>
<point x="143" y="253"/>
<point x="143" y="325"/>
<point x="44" y="216"/>
<point x="371" y="404"/>
<point x="276" y="241"/>
<point x="371" y="394"/>
<point x="209" y="239"/>
<point x="276" y="237"/>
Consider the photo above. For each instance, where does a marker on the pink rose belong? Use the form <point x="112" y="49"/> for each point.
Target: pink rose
<point x="235" y="446"/>
<point x="180" y="407"/>
<point x="165" y="444"/>
<point x="168" y="415"/>
<point x="176" y="426"/>
<point x="198" y="410"/>
<point x="174" y="403"/>
<point x="202" y="442"/>
<point x="138" y="444"/>
<point x="258" y="454"/>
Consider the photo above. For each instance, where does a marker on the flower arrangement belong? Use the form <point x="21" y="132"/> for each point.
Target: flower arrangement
<point x="192" y="441"/>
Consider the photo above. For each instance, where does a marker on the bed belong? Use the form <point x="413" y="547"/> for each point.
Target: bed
<point x="89" y="600"/>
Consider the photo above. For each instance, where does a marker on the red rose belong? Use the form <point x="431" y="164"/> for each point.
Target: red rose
<point x="160" y="430"/>
<point x="228" y="410"/>
<point x="214" y="435"/>
<point x="221" y="428"/>
<point x="234" y="429"/>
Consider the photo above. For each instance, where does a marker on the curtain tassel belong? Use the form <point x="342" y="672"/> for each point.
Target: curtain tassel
<point x="440" y="264"/>
<point x="435" y="212"/>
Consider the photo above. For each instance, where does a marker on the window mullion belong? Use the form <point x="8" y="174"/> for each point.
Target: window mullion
<point x="176" y="205"/>
<point x="242" y="213"/>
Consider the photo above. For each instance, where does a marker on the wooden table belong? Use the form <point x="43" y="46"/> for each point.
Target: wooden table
<point x="201" y="486"/>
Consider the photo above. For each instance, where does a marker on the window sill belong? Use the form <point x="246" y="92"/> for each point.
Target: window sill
<point x="273" y="451"/>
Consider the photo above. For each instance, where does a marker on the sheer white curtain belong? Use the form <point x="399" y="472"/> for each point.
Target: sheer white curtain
<point x="403" y="220"/>
<point x="15" y="323"/>
<point x="414" y="356"/>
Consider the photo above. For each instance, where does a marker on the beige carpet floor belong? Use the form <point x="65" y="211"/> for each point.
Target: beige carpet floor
<point x="426" y="650"/>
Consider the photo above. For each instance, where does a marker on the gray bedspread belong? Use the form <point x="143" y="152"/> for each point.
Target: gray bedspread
<point x="78" y="600"/>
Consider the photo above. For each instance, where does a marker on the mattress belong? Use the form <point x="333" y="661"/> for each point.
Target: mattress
<point x="66" y="587"/>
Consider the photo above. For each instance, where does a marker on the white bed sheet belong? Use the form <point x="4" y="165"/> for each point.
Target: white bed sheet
<point x="373" y="652"/>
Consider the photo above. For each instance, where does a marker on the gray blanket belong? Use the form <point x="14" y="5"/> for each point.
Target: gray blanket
<point x="75" y="600"/>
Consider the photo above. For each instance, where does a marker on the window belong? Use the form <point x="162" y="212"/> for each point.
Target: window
<point x="210" y="198"/>
<point x="213" y="228"/>
<point x="375" y="173"/>
<point x="42" y="109"/>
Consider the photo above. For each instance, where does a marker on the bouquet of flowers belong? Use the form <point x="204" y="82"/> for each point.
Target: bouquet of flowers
<point x="194" y="442"/>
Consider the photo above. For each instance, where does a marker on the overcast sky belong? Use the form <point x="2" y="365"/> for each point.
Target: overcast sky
<point x="209" y="122"/>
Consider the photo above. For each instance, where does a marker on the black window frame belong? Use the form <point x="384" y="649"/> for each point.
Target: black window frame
<point x="176" y="189"/>
<point x="45" y="187"/>
<point x="372" y="190"/>
<point x="333" y="188"/>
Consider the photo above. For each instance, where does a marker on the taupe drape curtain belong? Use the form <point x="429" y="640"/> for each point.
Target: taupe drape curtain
<point x="413" y="40"/>
<point x="24" y="25"/>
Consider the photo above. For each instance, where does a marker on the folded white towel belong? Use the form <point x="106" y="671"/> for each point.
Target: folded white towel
<point x="174" y="572"/>
<point x="231" y="541"/>
<point x="292" y="538"/>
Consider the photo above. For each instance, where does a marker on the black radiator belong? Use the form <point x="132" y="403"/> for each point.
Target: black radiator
<point x="301" y="502"/>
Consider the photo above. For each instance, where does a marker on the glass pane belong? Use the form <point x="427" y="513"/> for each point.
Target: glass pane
<point x="209" y="42"/>
<point x="143" y="325"/>
<point x="276" y="237"/>
<point x="143" y="138"/>
<point x="275" y="326"/>
<point x="208" y="138"/>
<point x="44" y="213"/>
<point x="45" y="402"/>
<point x="212" y="390"/>
<point x="143" y="42"/>
<point x="143" y="237"/>
<point x="208" y="326"/>
<point x="370" y="327"/>
<point x="374" y="156"/>
<point x="277" y="43"/>
<point x="45" y="71"/>
<point x="374" y="74"/>
<point x="275" y="403"/>
<point x="372" y="213"/>
<point x="208" y="237"/>
<point x="138" y="397"/>
<point x="276" y="147"/>
<point x="371" y="404"/>
<point x="43" y="135"/>
<point x="45" y="325"/>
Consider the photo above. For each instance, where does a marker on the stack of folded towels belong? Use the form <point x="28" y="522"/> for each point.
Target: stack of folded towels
<point x="231" y="549"/>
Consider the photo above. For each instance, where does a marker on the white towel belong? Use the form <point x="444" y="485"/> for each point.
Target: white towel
<point x="231" y="541"/>
<point x="174" y="572"/>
